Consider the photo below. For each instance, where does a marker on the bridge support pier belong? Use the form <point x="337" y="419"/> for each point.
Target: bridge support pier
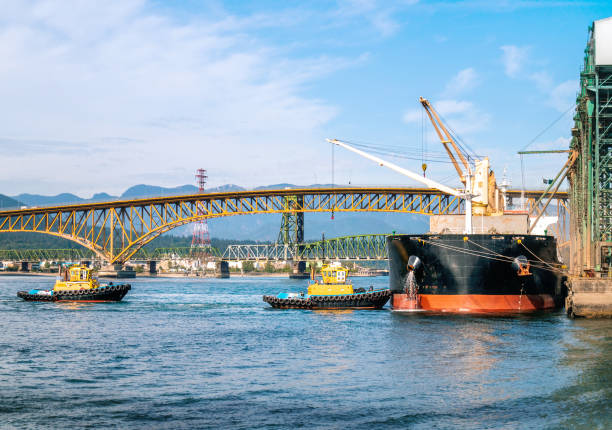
<point x="117" y="271"/>
<point x="153" y="267"/>
<point x="299" y="270"/>
<point x="222" y="269"/>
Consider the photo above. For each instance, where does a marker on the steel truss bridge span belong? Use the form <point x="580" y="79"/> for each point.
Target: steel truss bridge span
<point x="82" y="254"/>
<point x="359" y="247"/>
<point x="116" y="230"/>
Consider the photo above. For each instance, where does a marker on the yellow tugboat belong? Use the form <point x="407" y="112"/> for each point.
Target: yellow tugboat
<point x="77" y="284"/>
<point x="334" y="291"/>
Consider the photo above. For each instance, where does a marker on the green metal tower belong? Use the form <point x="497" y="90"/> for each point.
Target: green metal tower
<point x="292" y="225"/>
<point x="591" y="176"/>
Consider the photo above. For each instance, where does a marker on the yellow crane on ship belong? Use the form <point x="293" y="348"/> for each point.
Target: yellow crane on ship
<point x="484" y="187"/>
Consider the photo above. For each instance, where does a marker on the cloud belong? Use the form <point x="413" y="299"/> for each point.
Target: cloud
<point x="516" y="61"/>
<point x="172" y="94"/>
<point x="381" y="15"/>
<point x="412" y="116"/>
<point x="384" y="23"/>
<point x="542" y="79"/>
<point x="514" y="58"/>
<point x="503" y="6"/>
<point x="464" y="80"/>
<point x="563" y="96"/>
<point x="461" y="115"/>
<point x="561" y="142"/>
<point x="443" y="107"/>
<point x="450" y="107"/>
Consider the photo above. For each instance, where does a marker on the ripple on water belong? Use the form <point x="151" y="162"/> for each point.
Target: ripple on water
<point x="184" y="353"/>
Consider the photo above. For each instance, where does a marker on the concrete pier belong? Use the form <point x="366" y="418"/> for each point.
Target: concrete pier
<point x="299" y="271"/>
<point x="152" y="268"/>
<point x="117" y="271"/>
<point x="589" y="297"/>
<point x="222" y="269"/>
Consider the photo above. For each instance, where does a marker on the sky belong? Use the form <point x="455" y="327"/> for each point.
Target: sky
<point x="100" y="96"/>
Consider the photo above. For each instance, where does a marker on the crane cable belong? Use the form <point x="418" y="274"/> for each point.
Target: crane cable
<point x="523" y="245"/>
<point x="332" y="178"/>
<point x="548" y="127"/>
<point x="532" y="253"/>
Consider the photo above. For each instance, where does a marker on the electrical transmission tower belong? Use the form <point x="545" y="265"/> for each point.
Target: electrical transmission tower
<point x="201" y="237"/>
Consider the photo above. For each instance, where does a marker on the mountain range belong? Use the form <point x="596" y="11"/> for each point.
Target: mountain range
<point x="255" y="227"/>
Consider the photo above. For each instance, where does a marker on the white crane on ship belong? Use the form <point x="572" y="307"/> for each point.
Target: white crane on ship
<point x="477" y="182"/>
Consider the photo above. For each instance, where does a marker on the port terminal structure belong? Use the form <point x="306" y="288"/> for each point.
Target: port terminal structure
<point x="590" y="178"/>
<point x="115" y="231"/>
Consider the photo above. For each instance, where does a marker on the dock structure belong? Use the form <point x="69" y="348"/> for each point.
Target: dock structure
<point x="590" y="281"/>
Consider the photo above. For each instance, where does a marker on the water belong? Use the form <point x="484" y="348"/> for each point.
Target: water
<point x="184" y="353"/>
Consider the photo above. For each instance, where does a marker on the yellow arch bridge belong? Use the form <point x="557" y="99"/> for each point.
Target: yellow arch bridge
<point x="116" y="230"/>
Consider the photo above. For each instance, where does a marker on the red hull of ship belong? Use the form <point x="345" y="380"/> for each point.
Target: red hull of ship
<point x="473" y="302"/>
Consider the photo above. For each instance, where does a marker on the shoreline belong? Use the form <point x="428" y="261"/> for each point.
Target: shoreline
<point x="181" y="276"/>
<point x="162" y="275"/>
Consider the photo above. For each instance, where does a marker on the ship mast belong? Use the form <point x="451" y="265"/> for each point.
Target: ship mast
<point x="466" y="194"/>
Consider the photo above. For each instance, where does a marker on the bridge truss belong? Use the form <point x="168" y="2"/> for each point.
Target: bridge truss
<point x="360" y="247"/>
<point x="82" y="254"/>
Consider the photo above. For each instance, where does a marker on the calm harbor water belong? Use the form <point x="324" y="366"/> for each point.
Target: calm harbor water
<point x="189" y="353"/>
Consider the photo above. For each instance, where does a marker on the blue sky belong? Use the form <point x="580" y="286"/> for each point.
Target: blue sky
<point x="99" y="96"/>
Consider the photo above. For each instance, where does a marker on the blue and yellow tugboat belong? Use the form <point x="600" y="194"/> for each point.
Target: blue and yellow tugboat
<point x="333" y="292"/>
<point x="77" y="284"/>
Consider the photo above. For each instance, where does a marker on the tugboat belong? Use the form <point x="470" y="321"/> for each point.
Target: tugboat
<point x="332" y="292"/>
<point x="77" y="284"/>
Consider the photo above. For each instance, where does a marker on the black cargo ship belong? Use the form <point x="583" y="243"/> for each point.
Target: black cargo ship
<point x="475" y="273"/>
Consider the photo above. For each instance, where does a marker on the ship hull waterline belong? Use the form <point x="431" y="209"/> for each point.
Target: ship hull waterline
<point x="479" y="273"/>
